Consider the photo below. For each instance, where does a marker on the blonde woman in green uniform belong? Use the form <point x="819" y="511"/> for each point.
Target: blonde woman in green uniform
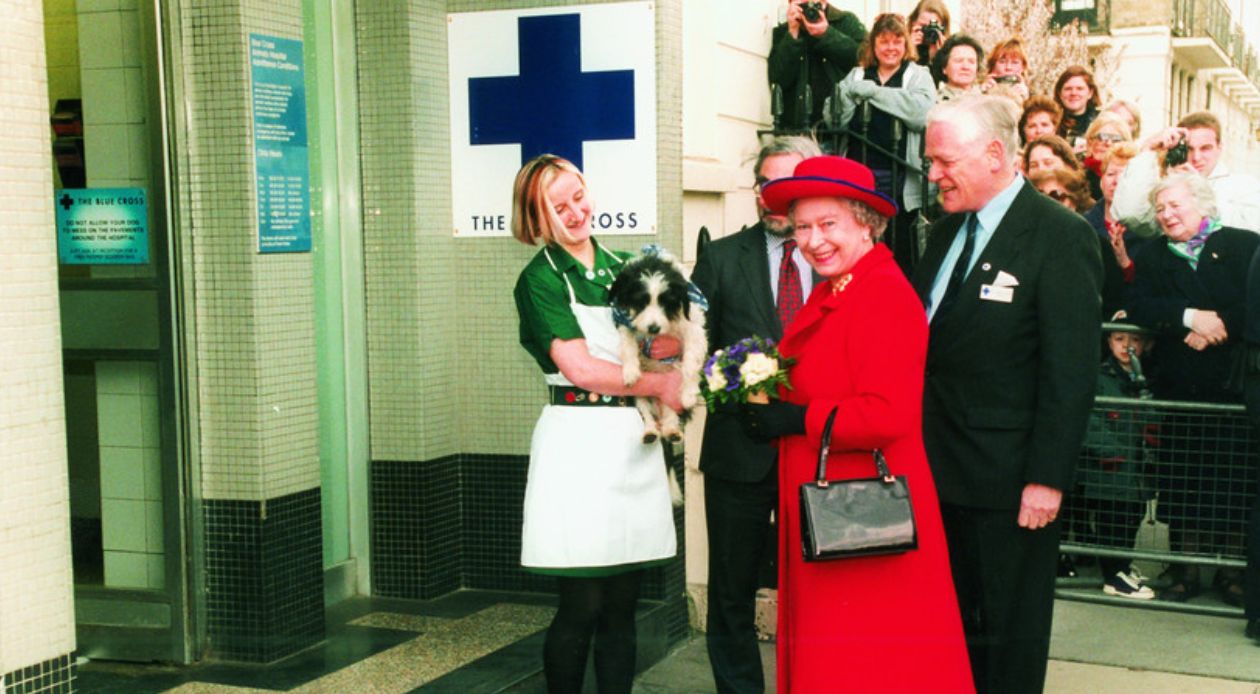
<point x="597" y="508"/>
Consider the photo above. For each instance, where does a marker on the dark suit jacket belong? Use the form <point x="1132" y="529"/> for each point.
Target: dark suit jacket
<point x="1165" y="286"/>
<point x="1009" y="385"/>
<point x="1114" y="287"/>
<point x="734" y="274"/>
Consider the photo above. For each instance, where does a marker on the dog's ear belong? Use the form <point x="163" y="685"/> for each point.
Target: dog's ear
<point x="618" y="287"/>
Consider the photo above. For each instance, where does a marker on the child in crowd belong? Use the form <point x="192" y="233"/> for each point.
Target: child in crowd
<point x="1112" y="486"/>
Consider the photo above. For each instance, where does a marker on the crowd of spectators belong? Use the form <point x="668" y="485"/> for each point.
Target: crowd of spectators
<point x="1176" y="230"/>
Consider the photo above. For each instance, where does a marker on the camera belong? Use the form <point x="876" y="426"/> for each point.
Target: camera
<point x="1007" y="79"/>
<point x="1177" y="154"/>
<point x="932" y="32"/>
<point x="813" y="11"/>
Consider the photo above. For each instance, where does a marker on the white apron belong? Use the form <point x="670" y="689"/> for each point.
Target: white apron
<point x="596" y="494"/>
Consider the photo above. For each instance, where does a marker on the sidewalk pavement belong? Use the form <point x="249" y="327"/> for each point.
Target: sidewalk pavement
<point x="1096" y="649"/>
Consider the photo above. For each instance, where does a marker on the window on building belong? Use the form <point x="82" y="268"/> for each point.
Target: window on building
<point x="1085" y="11"/>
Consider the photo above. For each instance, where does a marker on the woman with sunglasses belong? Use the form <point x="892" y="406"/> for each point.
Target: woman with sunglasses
<point x="1107" y="131"/>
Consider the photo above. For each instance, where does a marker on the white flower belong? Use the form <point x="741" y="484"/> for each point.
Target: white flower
<point x="757" y="368"/>
<point x="717" y="380"/>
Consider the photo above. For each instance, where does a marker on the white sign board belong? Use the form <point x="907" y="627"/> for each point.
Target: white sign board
<point x="576" y="81"/>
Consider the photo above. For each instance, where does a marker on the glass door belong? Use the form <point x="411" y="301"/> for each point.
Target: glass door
<point x="127" y="518"/>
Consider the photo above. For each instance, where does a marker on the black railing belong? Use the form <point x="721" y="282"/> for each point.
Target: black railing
<point x="855" y="141"/>
<point x="1160" y="482"/>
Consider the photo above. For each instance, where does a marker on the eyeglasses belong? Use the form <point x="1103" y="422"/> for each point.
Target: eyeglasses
<point x="1111" y="138"/>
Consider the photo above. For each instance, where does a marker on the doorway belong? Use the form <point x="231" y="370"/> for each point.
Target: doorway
<point x="128" y="518"/>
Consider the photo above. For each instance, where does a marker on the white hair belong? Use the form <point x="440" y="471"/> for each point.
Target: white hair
<point x="978" y="117"/>
<point x="1200" y="190"/>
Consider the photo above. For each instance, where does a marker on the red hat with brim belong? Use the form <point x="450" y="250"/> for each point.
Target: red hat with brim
<point x="826" y="177"/>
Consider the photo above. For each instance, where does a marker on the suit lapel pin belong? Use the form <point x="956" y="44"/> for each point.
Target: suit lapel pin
<point x="986" y="267"/>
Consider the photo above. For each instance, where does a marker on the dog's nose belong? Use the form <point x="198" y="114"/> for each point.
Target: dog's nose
<point x="654" y="329"/>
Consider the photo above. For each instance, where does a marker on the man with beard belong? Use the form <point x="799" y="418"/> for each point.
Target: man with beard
<point x="755" y="280"/>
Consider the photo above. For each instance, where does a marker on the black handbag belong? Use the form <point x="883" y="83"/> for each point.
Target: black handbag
<point x="858" y="517"/>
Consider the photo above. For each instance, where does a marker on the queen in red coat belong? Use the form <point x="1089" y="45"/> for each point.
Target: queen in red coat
<point x="873" y="624"/>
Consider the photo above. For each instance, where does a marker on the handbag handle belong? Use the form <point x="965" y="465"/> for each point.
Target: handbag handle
<point x="824" y="449"/>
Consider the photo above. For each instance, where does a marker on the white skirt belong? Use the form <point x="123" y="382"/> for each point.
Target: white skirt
<point x="596" y="494"/>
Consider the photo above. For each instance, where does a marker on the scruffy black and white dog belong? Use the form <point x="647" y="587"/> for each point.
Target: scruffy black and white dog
<point x="652" y="297"/>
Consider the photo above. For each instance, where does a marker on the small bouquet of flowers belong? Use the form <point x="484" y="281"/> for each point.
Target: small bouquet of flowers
<point x="750" y="370"/>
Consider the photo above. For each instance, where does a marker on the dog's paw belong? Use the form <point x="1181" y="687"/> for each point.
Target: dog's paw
<point x="630" y="373"/>
<point x="675" y="490"/>
<point x="690" y="399"/>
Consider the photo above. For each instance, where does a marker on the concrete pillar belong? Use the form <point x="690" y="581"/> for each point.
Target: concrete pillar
<point x="255" y="355"/>
<point x="36" y="586"/>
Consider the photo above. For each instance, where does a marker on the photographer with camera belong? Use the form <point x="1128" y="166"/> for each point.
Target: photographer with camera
<point x="929" y="27"/>
<point x="1007" y="64"/>
<point x="1194" y="146"/>
<point x="809" y="53"/>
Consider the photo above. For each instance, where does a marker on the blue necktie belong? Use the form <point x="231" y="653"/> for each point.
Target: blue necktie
<point x="959" y="273"/>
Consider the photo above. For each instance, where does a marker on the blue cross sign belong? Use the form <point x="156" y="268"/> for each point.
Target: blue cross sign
<point x="552" y="106"/>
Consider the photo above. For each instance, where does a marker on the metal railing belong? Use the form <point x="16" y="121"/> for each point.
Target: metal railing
<point x="1203" y="18"/>
<point x="1161" y="483"/>
<point x="857" y="143"/>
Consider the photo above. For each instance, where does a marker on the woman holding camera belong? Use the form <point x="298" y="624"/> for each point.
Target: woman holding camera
<point x="1007" y="66"/>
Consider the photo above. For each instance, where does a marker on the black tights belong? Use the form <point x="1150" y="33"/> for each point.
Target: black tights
<point x="602" y="606"/>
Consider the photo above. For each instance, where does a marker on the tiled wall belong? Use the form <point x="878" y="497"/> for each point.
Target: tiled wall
<point x="36" y="602"/>
<point x="415" y="273"/>
<point x="115" y="132"/>
<point x="264" y="577"/>
<point x="449" y="382"/>
<point x="446" y="372"/>
<point x="53" y="676"/>
<point x="254" y="323"/>
<point x="256" y="372"/>
<point x="131" y="474"/>
<point x="455" y="522"/>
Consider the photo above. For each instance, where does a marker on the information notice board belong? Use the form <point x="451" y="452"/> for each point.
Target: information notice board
<point x="102" y="226"/>
<point x="281" y="158"/>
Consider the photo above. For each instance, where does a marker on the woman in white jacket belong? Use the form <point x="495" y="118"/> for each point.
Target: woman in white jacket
<point x="884" y="104"/>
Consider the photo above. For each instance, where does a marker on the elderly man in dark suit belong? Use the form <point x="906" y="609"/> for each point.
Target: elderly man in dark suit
<point x="1011" y="284"/>
<point x="754" y="280"/>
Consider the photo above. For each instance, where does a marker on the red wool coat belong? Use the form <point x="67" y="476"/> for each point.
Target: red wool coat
<point x="886" y="624"/>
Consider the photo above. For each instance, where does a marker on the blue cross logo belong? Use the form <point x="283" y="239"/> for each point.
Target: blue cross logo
<point x="552" y="106"/>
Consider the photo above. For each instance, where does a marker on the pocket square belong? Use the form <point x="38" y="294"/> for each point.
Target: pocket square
<point x="1005" y="279"/>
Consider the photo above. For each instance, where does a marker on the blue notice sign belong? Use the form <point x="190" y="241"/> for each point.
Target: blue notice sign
<point x="102" y="226"/>
<point x="280" y="153"/>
